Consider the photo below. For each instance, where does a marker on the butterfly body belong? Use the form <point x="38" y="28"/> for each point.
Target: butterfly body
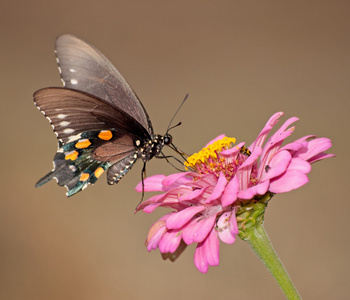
<point x="99" y="122"/>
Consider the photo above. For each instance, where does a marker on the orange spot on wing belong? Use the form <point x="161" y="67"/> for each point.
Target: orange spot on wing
<point x="105" y="135"/>
<point x="71" y="155"/>
<point x="83" y="144"/>
<point x="98" y="172"/>
<point x="84" y="177"/>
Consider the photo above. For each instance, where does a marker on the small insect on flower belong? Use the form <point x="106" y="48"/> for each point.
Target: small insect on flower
<point x="209" y="201"/>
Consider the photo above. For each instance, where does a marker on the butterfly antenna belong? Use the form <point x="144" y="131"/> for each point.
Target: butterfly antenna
<point x="172" y="119"/>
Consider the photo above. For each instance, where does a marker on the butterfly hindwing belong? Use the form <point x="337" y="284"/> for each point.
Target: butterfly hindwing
<point x="118" y="170"/>
<point x="83" y="161"/>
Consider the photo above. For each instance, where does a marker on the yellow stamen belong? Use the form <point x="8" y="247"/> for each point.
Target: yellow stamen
<point x="210" y="151"/>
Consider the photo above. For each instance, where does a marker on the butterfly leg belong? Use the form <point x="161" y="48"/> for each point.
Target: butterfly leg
<point x="166" y="157"/>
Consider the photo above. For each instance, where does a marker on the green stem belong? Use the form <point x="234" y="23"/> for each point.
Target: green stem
<point x="261" y="246"/>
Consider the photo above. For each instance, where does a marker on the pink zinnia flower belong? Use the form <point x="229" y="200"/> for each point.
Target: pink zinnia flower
<point x="206" y="200"/>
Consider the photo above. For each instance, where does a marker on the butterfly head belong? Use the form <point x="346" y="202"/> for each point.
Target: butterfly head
<point x="167" y="139"/>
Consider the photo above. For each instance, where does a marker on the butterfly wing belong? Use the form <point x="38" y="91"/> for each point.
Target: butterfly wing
<point x="83" y="67"/>
<point x="93" y="136"/>
<point x="72" y="112"/>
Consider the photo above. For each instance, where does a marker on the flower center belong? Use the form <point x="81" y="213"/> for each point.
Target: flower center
<point x="211" y="160"/>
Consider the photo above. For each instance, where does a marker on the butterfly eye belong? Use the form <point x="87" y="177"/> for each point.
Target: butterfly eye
<point x="167" y="139"/>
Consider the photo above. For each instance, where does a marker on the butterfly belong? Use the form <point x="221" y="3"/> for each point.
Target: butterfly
<point x="100" y="123"/>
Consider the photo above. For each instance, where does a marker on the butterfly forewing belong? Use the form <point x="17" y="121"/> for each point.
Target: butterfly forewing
<point x="71" y="112"/>
<point x="85" y="68"/>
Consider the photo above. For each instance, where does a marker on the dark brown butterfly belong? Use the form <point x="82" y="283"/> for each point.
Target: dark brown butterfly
<point x="100" y="123"/>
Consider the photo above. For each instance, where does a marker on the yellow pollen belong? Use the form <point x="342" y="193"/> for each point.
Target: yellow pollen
<point x="210" y="152"/>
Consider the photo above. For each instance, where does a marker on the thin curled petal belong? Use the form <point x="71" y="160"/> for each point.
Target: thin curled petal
<point x="319" y="157"/>
<point x="265" y="131"/>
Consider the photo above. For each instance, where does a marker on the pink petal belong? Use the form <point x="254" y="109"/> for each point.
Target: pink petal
<point x="230" y="194"/>
<point x="232" y="151"/>
<point x="315" y="147"/>
<point x="171" y="179"/>
<point x="180" y="218"/>
<point x="218" y="188"/>
<point x="259" y="189"/>
<point x="283" y="131"/>
<point x="289" y="181"/>
<point x="233" y="224"/>
<point x="151" y="208"/>
<point x="151" y="184"/>
<point x="191" y="195"/>
<point x="150" y="201"/>
<point x="265" y="131"/>
<point x="295" y="146"/>
<point x="278" y="165"/>
<point x="198" y="229"/>
<point x="293" y="178"/>
<point x="299" y="165"/>
<point x="207" y="253"/>
<point x="208" y="179"/>
<point x="320" y="157"/>
<point x="221" y="136"/>
<point x="227" y="227"/>
<point x="305" y="138"/>
<point x="168" y="199"/>
<point x="170" y="242"/>
<point x="155" y="234"/>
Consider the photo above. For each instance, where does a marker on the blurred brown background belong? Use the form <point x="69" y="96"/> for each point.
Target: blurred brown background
<point x="240" y="61"/>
